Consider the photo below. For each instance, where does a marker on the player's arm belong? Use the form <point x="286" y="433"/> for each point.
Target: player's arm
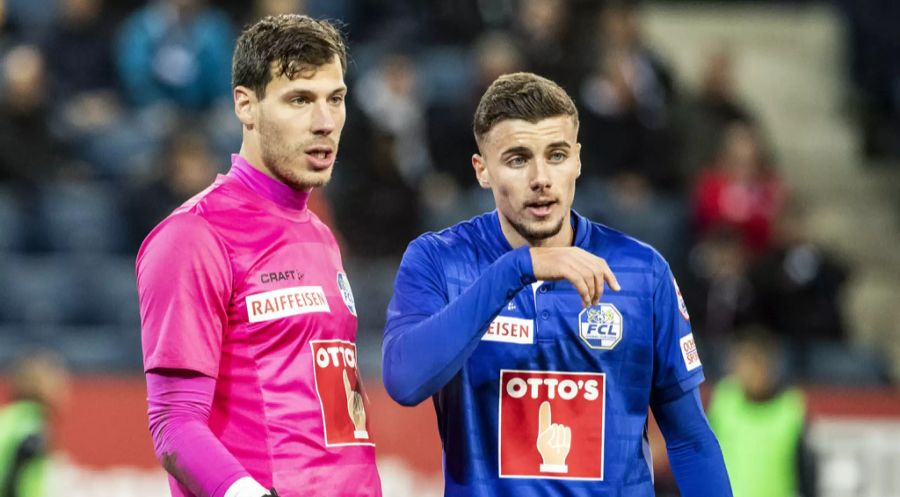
<point x="694" y="453"/>
<point x="184" y="285"/>
<point x="179" y="406"/>
<point x="428" y="336"/>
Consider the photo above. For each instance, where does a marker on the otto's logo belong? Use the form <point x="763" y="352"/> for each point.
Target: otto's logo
<point x="341" y="396"/>
<point x="600" y="326"/>
<point x="551" y="424"/>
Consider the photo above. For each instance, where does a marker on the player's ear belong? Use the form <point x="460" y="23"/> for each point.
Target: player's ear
<point x="245" y="105"/>
<point x="578" y="158"/>
<point x="481" y="171"/>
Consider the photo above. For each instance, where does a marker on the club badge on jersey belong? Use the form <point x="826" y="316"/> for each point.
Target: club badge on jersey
<point x="551" y="424"/>
<point x="600" y="326"/>
<point x="343" y="284"/>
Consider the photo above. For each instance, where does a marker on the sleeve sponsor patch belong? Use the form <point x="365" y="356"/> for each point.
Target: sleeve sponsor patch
<point x="682" y="307"/>
<point x="689" y="352"/>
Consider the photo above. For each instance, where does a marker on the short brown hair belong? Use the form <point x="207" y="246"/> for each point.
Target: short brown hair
<point x="521" y="95"/>
<point x="292" y="43"/>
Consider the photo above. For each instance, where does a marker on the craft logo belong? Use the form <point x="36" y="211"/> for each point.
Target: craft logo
<point x="346" y="293"/>
<point x="600" y="326"/>
<point x="551" y="425"/>
<point x="510" y="330"/>
<point x="286" y="302"/>
<point x="341" y="395"/>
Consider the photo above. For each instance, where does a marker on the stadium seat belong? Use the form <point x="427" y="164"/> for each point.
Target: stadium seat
<point x="12" y="220"/>
<point x="80" y="217"/>
<point x="844" y="364"/>
<point x="37" y="289"/>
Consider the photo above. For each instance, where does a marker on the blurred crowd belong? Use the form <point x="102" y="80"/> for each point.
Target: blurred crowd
<point x="113" y="113"/>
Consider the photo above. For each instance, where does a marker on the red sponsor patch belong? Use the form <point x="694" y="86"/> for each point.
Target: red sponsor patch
<point x="341" y="396"/>
<point x="551" y="424"/>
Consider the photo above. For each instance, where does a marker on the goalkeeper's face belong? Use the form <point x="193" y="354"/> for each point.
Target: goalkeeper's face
<point x="298" y="125"/>
<point x="531" y="169"/>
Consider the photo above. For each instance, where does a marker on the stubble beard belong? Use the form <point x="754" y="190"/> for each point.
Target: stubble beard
<point x="277" y="158"/>
<point x="533" y="235"/>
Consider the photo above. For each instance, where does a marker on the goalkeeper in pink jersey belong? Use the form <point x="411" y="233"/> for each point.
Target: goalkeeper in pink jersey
<point x="248" y="320"/>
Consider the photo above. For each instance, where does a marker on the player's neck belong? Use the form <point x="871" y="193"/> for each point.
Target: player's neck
<point x="252" y="155"/>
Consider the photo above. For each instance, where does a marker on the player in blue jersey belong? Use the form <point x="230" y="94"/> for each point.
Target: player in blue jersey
<point x="540" y="379"/>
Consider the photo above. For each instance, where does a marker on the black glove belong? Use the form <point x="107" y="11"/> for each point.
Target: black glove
<point x="272" y="493"/>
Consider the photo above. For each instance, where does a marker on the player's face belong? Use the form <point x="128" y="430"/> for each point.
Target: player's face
<point x="299" y="125"/>
<point x="531" y="169"/>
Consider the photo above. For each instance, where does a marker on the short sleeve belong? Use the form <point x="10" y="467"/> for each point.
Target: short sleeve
<point x="184" y="286"/>
<point x="676" y="364"/>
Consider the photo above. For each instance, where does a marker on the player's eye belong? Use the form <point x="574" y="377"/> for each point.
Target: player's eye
<point x="336" y="99"/>
<point x="300" y="100"/>
<point x="558" y="156"/>
<point x="516" y="161"/>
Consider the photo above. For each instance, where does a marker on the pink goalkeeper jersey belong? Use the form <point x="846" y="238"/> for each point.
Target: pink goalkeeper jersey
<point x="244" y="284"/>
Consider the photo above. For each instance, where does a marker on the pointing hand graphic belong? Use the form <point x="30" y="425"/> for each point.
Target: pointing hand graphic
<point x="356" y="409"/>
<point x="553" y="442"/>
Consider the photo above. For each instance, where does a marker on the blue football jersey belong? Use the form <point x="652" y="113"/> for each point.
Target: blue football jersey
<point x="553" y="398"/>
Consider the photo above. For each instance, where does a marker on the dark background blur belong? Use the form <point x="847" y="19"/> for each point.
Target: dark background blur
<point x="757" y="146"/>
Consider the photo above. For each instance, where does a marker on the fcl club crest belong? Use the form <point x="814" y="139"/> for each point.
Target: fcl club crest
<point x="346" y="293"/>
<point x="600" y="326"/>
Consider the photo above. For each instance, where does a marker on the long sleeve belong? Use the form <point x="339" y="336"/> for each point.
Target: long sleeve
<point x="179" y="406"/>
<point x="428" y="337"/>
<point x="694" y="453"/>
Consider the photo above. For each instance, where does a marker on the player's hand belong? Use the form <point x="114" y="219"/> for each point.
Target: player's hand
<point x="553" y="442"/>
<point x="356" y="409"/>
<point x="584" y="270"/>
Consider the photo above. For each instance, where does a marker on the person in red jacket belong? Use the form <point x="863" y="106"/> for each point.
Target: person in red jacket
<point x="741" y="189"/>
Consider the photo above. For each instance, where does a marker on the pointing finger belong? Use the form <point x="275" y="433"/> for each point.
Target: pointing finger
<point x="347" y="388"/>
<point x="544" y="417"/>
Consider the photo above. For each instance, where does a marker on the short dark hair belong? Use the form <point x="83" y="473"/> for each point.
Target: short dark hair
<point x="521" y="95"/>
<point x="286" y="44"/>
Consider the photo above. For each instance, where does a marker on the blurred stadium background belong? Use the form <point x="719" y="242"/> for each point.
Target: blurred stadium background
<point x="755" y="144"/>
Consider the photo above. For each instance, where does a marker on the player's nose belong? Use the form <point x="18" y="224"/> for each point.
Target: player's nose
<point x="540" y="175"/>
<point x="323" y="122"/>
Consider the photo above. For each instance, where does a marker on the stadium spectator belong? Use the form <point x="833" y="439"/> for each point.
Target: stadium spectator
<point x="798" y="284"/>
<point x="380" y="173"/>
<point x="701" y="119"/>
<point x="86" y="108"/>
<point x="760" y="421"/>
<point x="177" y="52"/>
<point x="719" y="288"/>
<point x="29" y="152"/>
<point x="39" y="390"/>
<point x="186" y="168"/>
<point x="741" y="189"/>
<point x="626" y="103"/>
<point x="541" y="30"/>
<point x="873" y="52"/>
<point x="449" y="122"/>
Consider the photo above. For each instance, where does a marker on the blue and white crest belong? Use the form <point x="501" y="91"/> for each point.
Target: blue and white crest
<point x="600" y="326"/>
<point x="346" y="293"/>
